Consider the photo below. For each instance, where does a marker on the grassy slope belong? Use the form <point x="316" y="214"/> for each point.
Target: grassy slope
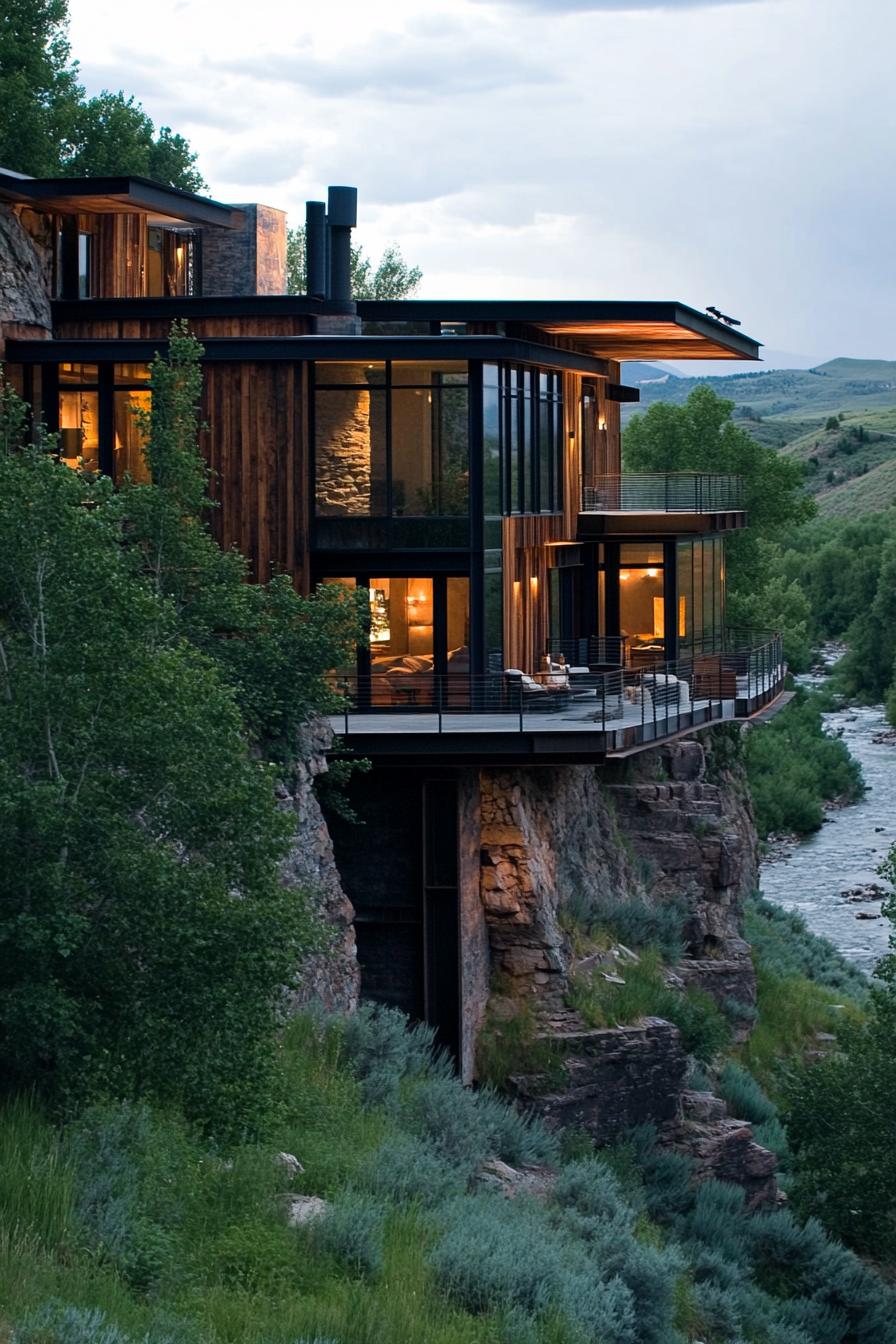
<point x="787" y="409"/>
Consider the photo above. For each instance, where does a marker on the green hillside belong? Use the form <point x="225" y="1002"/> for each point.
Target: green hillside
<point x="868" y="493"/>
<point x="839" y="419"/>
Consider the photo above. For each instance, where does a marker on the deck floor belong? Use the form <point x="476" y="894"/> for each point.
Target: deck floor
<point x="581" y="715"/>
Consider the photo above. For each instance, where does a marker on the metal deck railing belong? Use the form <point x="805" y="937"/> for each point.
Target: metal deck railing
<point x="630" y="705"/>
<point x="668" y="492"/>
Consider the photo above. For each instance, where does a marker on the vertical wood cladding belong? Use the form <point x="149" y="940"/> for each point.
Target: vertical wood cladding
<point x="120" y="259"/>
<point x="256" y="447"/>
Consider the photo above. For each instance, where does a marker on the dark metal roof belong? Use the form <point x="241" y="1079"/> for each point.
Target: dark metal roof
<point x="117" y="194"/>
<point x="611" y="329"/>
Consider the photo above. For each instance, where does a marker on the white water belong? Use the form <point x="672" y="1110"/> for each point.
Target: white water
<point x="847" y="849"/>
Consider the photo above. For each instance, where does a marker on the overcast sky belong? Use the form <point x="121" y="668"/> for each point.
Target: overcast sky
<point x="739" y="153"/>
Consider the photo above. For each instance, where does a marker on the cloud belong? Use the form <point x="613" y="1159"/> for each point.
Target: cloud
<point x="596" y="6"/>
<point x="431" y="58"/>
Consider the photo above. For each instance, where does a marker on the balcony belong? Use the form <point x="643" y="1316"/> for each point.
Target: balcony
<point x="587" y="716"/>
<point x="680" y="501"/>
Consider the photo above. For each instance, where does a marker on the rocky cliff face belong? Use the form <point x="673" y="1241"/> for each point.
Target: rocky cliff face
<point x="674" y="822"/>
<point x="25" y="274"/>
<point x="332" y="977"/>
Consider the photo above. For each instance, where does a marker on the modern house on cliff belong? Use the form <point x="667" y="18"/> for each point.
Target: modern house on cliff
<point x="530" y="604"/>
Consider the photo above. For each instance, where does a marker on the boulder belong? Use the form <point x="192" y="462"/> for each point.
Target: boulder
<point x="304" y="1209"/>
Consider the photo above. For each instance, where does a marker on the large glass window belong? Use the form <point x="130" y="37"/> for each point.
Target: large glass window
<point x="170" y="261"/>
<point x="95" y="435"/>
<point x="523" y="432"/>
<point x="701" y="595"/>
<point x="392" y="439"/>
<point x="642" y="591"/>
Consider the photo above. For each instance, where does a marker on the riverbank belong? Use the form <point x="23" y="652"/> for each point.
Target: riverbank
<point x="811" y="876"/>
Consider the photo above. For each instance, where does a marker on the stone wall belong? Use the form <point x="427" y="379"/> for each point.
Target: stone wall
<point x="249" y="259"/>
<point x="26" y="251"/>
<point x="616" y="1078"/>
<point x="343" y="435"/>
<point x="332" y="977"/>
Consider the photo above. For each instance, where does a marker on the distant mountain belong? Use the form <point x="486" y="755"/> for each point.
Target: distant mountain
<point x="839" y="418"/>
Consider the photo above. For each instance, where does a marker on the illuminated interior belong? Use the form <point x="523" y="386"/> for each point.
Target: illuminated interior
<point x="642" y="591"/>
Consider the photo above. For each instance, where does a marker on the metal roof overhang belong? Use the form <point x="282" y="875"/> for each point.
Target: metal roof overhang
<point x="264" y="349"/>
<point x="117" y="195"/>
<point x="607" y="330"/>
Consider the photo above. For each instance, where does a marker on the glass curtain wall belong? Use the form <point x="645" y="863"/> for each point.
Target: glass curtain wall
<point x="391" y="439"/>
<point x="701" y="594"/>
<point x="522" y="440"/>
<point x="642" y="597"/>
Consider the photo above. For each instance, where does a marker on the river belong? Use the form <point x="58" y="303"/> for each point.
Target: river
<point x="847" y="849"/>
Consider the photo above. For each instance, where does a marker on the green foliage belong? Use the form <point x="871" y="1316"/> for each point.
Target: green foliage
<point x="704" y="1031"/>
<point x="511" y="1045"/>
<point x="352" y="1231"/>
<point x="783" y="946"/>
<point x="839" y="1118"/>
<point x="391" y="278"/>
<point x="701" y="436"/>
<point x="633" y="921"/>
<point x="143" y="923"/>
<point x="744" y="1096"/>
<point x="793" y="767"/>
<point x="51" y="129"/>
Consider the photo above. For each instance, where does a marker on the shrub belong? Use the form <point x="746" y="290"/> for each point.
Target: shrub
<point x="135" y="1170"/>
<point x="352" y="1230"/>
<point x="59" y="1323"/>
<point x="384" y="1048"/>
<point x="704" y="1031"/>
<point x="783" y="945"/>
<point x="507" y="1046"/>
<point x="635" y="922"/>
<point x="515" y="1137"/>
<point x="447" y="1116"/>
<point x="406" y="1168"/>
<point x="793" y="767"/>
<point x="746" y="1099"/>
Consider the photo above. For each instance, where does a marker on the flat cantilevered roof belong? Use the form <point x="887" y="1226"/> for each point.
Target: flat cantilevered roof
<point x="116" y="195"/>
<point x="612" y="329"/>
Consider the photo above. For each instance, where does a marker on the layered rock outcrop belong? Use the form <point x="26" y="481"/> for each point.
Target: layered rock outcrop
<point x="25" y="274"/>
<point x="331" y="977"/>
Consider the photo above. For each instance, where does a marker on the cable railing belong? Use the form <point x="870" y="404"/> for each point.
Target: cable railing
<point x="662" y="492"/>
<point x="633" y="704"/>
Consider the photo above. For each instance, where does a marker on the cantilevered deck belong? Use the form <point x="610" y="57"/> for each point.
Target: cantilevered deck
<point x="677" y="502"/>
<point x="607" y="714"/>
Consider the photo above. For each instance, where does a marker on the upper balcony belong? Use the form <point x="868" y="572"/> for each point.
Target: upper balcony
<point x="576" y="714"/>
<point x="675" y="501"/>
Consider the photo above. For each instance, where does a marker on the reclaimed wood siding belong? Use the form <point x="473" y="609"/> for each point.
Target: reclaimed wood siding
<point x="120" y="242"/>
<point x="156" y="328"/>
<point x="256" y="447"/>
<point x="526" y="603"/>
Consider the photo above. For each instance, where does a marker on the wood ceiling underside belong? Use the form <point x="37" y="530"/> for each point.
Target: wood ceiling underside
<point x="643" y="340"/>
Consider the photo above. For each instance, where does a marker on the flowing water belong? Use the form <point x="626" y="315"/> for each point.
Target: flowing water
<point x="846" y="851"/>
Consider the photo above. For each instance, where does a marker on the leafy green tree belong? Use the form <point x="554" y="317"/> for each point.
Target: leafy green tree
<point x="840" y="1120"/>
<point x="145" y="933"/>
<point x="39" y="90"/>
<point x="391" y="278"/>
<point x="701" y="436"/>
<point x="111" y="134"/>
<point x="48" y="127"/>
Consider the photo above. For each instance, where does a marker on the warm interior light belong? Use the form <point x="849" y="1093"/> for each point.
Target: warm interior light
<point x="624" y="574"/>
<point x="682" y="617"/>
<point x="601" y="424"/>
<point x="651" y="573"/>
<point x="516" y="589"/>
<point x="533" y="585"/>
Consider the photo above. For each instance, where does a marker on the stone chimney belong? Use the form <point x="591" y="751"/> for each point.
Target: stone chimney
<point x="250" y="259"/>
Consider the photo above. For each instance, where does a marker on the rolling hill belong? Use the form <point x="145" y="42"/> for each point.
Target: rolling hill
<point x="839" y="419"/>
